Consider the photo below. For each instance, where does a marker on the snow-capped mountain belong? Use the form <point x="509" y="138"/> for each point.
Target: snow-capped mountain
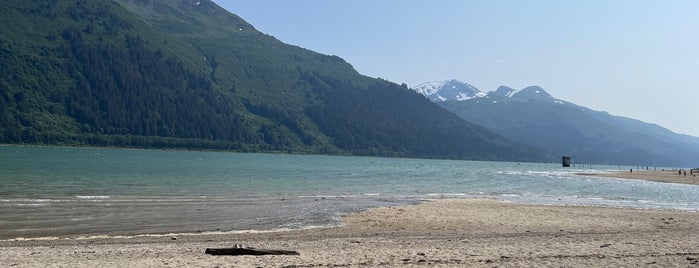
<point x="532" y="116"/>
<point x="526" y="94"/>
<point x="449" y="90"/>
<point x="456" y="90"/>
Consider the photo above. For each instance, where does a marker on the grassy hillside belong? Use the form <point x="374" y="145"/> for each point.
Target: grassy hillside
<point x="188" y="74"/>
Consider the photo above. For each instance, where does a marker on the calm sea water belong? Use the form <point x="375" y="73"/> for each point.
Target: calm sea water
<point x="46" y="192"/>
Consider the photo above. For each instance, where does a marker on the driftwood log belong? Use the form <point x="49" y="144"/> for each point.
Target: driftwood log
<point x="248" y="251"/>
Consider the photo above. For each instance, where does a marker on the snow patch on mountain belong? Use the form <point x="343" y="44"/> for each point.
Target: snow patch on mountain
<point x="456" y="90"/>
<point x="463" y="97"/>
<point x="429" y="88"/>
<point x="448" y="90"/>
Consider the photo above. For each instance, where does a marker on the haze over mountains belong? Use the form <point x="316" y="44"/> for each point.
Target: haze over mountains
<point x="189" y="74"/>
<point x="532" y="116"/>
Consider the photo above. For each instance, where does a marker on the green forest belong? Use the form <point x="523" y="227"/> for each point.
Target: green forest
<point x="169" y="74"/>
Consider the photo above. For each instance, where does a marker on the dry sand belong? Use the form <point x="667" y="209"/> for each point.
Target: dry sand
<point x="450" y="232"/>
<point x="659" y="176"/>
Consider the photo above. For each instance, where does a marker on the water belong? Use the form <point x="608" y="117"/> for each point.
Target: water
<point x="47" y="192"/>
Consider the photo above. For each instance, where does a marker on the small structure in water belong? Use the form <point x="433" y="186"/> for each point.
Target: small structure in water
<point x="566" y="161"/>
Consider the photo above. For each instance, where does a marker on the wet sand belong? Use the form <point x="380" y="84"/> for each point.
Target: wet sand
<point x="449" y="232"/>
<point x="659" y="176"/>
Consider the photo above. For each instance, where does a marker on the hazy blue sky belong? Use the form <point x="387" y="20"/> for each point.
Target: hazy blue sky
<point x="632" y="58"/>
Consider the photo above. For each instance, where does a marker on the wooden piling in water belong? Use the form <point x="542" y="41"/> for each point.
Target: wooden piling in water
<point x="566" y="161"/>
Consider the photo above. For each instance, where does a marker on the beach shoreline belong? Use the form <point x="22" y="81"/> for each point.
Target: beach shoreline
<point x="445" y="232"/>
<point x="669" y="176"/>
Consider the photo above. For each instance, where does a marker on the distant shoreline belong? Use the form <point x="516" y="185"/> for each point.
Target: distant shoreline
<point x="657" y="176"/>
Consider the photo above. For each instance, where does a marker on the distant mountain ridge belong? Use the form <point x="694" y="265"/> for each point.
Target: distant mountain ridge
<point x="532" y="116"/>
<point x="460" y="91"/>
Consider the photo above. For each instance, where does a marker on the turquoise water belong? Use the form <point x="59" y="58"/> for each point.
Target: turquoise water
<point x="46" y="191"/>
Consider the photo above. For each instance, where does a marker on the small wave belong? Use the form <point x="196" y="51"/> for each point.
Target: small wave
<point x="510" y="195"/>
<point x="46" y="238"/>
<point x="322" y="196"/>
<point x="156" y="235"/>
<point x="31" y="205"/>
<point x="27" y="200"/>
<point x="93" y="196"/>
<point x="450" y="195"/>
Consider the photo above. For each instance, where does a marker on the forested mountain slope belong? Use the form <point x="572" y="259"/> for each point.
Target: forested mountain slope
<point x="189" y="74"/>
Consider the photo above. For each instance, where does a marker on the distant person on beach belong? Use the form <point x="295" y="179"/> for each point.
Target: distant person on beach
<point x="685" y="173"/>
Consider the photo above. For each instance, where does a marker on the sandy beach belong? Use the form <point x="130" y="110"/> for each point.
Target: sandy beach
<point x="659" y="176"/>
<point x="449" y="232"/>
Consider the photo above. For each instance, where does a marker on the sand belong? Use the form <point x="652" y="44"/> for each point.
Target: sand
<point x="659" y="176"/>
<point x="448" y="233"/>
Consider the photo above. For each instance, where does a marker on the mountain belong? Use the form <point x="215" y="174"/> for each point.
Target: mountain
<point x="189" y="74"/>
<point x="440" y="91"/>
<point x="532" y="116"/>
<point x="448" y="90"/>
<point x="532" y="93"/>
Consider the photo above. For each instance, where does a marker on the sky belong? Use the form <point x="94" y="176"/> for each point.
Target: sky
<point x="632" y="58"/>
